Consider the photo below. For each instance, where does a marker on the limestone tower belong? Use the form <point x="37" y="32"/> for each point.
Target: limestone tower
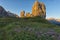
<point x="39" y="9"/>
<point x="22" y="14"/>
<point x="28" y="14"/>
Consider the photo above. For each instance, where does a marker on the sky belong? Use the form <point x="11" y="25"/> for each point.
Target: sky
<point x="15" y="6"/>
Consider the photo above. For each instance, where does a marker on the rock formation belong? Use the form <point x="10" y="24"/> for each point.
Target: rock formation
<point x="38" y="9"/>
<point x="28" y="14"/>
<point x="4" y="13"/>
<point x="22" y="13"/>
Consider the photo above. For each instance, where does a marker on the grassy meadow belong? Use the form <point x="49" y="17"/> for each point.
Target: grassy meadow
<point x="34" y="28"/>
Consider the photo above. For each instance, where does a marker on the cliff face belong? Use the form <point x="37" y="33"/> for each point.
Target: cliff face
<point x="39" y="9"/>
<point x="4" y="13"/>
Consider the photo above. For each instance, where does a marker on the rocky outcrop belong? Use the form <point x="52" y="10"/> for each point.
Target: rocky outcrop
<point x="22" y="14"/>
<point x="39" y="9"/>
<point x="28" y="14"/>
<point x="4" y="13"/>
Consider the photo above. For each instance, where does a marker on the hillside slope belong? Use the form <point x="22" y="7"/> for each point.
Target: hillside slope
<point x="28" y="29"/>
<point x="4" y="13"/>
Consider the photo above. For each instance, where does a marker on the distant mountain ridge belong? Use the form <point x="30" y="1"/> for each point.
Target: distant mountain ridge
<point x="54" y="21"/>
<point x="4" y="13"/>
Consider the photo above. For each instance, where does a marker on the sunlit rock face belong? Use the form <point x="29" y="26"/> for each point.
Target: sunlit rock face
<point x="28" y="14"/>
<point x="22" y="14"/>
<point x="39" y="9"/>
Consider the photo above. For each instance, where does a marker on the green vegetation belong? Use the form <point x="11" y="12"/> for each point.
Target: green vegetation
<point x="34" y="28"/>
